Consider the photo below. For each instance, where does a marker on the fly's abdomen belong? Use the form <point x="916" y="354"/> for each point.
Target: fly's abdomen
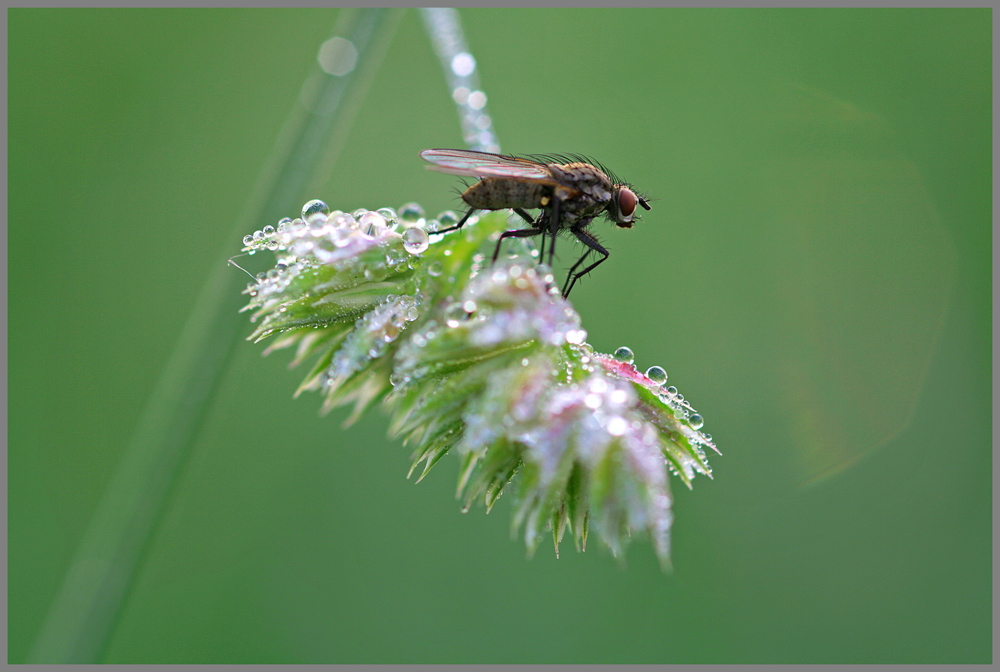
<point x="496" y="193"/>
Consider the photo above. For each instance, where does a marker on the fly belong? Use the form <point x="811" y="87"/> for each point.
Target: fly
<point x="570" y="191"/>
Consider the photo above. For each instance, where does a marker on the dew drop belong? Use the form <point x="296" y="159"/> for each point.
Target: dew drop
<point x="435" y="269"/>
<point x="283" y="223"/>
<point x="337" y="56"/>
<point x="454" y="314"/>
<point x="447" y="219"/>
<point x="373" y="224"/>
<point x="247" y="239"/>
<point x="340" y="237"/>
<point x="463" y="64"/>
<point x="477" y="101"/>
<point x="315" y="209"/>
<point x="390" y="217"/>
<point x="415" y="240"/>
<point x="656" y="374"/>
<point x="696" y="421"/>
<point x="345" y="221"/>
<point x="671" y="391"/>
<point x="617" y="426"/>
<point x="624" y="355"/>
<point x="411" y="212"/>
<point x="268" y="230"/>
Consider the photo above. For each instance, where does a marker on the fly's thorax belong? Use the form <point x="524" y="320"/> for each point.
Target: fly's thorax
<point x="585" y="178"/>
<point x="498" y="193"/>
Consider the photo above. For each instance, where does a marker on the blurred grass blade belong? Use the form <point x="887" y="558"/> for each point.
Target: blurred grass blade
<point x="82" y="616"/>
<point x="448" y="39"/>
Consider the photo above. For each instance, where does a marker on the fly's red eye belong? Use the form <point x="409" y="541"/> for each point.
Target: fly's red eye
<point x="626" y="203"/>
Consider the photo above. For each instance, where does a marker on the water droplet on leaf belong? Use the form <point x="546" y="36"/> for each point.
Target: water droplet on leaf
<point x="656" y="374"/>
<point x="454" y="314"/>
<point x="411" y="212"/>
<point x="315" y="209"/>
<point x="624" y="355"/>
<point x="390" y="217"/>
<point x="373" y="224"/>
<point x="415" y="240"/>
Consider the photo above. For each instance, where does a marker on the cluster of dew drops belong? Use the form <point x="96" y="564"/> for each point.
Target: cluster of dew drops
<point x="318" y="220"/>
<point x="668" y="394"/>
<point x="324" y="234"/>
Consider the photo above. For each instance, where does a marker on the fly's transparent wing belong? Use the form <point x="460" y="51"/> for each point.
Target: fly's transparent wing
<point x="480" y="164"/>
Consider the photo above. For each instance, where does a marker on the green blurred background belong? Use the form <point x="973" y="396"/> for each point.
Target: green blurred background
<point x="815" y="276"/>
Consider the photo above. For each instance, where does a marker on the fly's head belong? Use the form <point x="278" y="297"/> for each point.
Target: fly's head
<point x="621" y="208"/>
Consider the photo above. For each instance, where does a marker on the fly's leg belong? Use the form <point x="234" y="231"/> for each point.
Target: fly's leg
<point x="553" y="228"/>
<point x="591" y="242"/>
<point x="524" y="215"/>
<point x="530" y="220"/>
<point x="460" y="224"/>
<point x="569" y="275"/>
<point x="543" y="227"/>
<point x="516" y="233"/>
